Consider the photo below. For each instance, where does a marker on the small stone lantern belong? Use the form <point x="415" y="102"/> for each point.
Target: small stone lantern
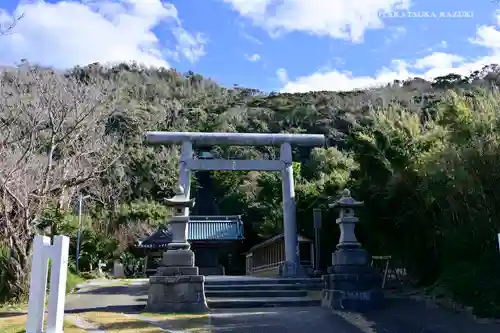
<point x="347" y="220"/>
<point x="176" y="286"/>
<point x="352" y="284"/>
<point x="178" y="224"/>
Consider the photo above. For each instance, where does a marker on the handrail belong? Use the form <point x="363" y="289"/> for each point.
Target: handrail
<point x="263" y="267"/>
<point x="276" y="264"/>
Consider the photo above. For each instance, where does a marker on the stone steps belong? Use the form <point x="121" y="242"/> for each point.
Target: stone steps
<point x="260" y="302"/>
<point x="256" y="287"/>
<point x="252" y="292"/>
<point x="233" y="280"/>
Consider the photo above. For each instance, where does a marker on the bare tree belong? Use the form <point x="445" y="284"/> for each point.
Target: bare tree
<point x="52" y="140"/>
<point x="108" y="190"/>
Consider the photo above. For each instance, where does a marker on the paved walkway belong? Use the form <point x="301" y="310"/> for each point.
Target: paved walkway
<point x="401" y="316"/>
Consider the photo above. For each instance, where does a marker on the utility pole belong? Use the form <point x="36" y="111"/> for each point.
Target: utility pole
<point x="79" y="232"/>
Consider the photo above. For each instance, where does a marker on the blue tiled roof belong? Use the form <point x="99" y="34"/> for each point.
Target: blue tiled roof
<point x="201" y="228"/>
<point x="214" y="230"/>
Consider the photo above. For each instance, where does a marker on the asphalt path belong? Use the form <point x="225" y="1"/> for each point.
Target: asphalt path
<point x="402" y="315"/>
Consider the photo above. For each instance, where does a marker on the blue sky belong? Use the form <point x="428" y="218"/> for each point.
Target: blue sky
<point x="281" y="45"/>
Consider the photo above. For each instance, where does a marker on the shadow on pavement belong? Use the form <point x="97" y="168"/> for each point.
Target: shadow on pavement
<point x="12" y="314"/>
<point x="183" y="324"/>
<point x="401" y="315"/>
<point x="279" y="320"/>
<point x="130" y="290"/>
<point x="416" y="316"/>
<point x="127" y="309"/>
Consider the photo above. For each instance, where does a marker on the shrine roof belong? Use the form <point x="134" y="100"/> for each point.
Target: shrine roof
<point x="200" y="228"/>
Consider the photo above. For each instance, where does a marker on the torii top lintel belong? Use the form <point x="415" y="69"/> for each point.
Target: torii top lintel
<point x="235" y="139"/>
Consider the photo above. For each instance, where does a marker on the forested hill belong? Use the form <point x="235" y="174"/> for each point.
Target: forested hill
<point x="424" y="156"/>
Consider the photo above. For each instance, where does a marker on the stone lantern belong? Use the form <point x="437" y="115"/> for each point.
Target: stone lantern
<point x="176" y="286"/>
<point x="347" y="220"/>
<point x="352" y="284"/>
<point x="178" y="224"/>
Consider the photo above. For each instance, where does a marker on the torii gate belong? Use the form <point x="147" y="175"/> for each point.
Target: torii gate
<point x="284" y="165"/>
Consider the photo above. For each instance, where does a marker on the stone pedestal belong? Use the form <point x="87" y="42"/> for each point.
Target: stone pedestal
<point x="288" y="270"/>
<point x="351" y="283"/>
<point x="180" y="293"/>
<point x="176" y="285"/>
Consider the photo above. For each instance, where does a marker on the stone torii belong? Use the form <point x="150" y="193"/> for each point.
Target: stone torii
<point x="284" y="165"/>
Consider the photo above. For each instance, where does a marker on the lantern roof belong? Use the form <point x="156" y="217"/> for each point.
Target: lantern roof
<point x="346" y="201"/>
<point x="180" y="199"/>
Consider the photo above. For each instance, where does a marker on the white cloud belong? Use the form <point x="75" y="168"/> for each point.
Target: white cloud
<point x="192" y="47"/>
<point x="242" y="32"/>
<point x="438" y="60"/>
<point x="395" y="34"/>
<point x="428" y="67"/>
<point x="346" y="19"/>
<point x="253" y="57"/>
<point x="251" y="38"/>
<point x="282" y="75"/>
<point x="441" y="45"/>
<point x="71" y="33"/>
<point x="487" y="36"/>
<point x="399" y="70"/>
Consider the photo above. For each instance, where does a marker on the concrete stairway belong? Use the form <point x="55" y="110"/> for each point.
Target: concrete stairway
<point x="254" y="292"/>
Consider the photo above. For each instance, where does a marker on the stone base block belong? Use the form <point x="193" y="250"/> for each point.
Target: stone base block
<point x="359" y="290"/>
<point x="181" y="294"/>
<point x="348" y="260"/>
<point x="174" y="271"/>
<point x="177" y="258"/>
<point x="357" y="301"/>
<point x="363" y="280"/>
<point x="288" y="269"/>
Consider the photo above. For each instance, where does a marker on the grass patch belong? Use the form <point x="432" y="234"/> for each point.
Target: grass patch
<point x="17" y="324"/>
<point x="120" y="282"/>
<point x="118" y="323"/>
<point x="72" y="328"/>
<point x="13" y="308"/>
<point x="187" y="322"/>
<point x="128" y="281"/>
<point x="72" y="281"/>
<point x="14" y="324"/>
<point x="175" y="315"/>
